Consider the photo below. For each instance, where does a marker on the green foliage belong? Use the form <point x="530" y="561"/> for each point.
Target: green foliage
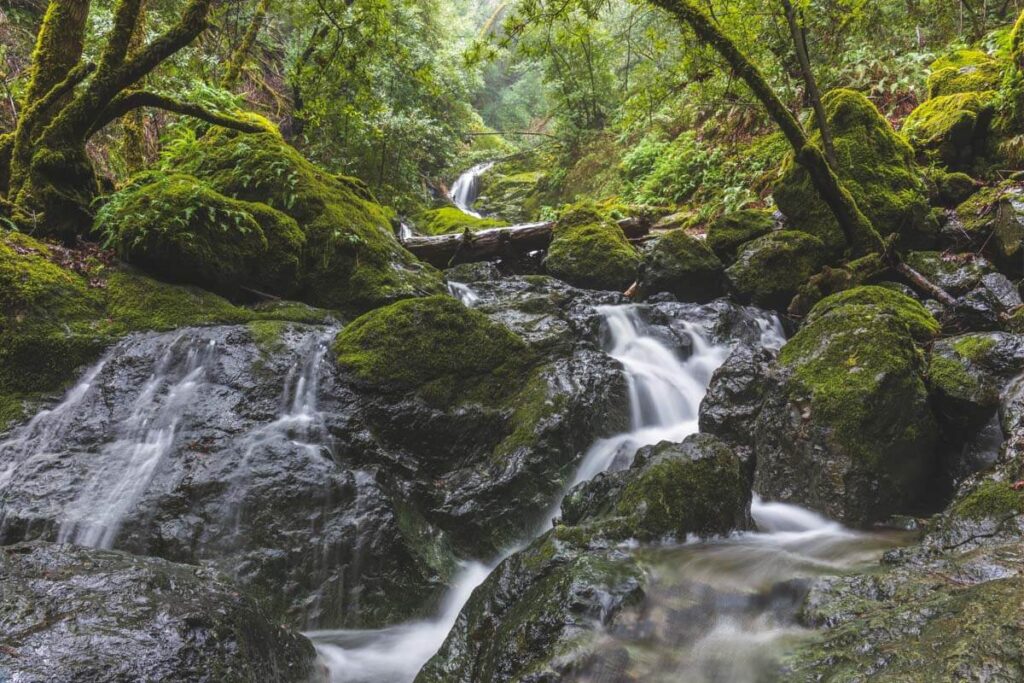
<point x="668" y="173"/>
<point x="446" y="353"/>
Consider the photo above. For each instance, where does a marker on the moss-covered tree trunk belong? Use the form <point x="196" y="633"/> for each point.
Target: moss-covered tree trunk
<point x="239" y="57"/>
<point x="860" y="234"/>
<point x="47" y="179"/>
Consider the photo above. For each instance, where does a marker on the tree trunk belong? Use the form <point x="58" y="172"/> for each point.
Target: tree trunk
<point x="860" y="234"/>
<point x="444" y="251"/>
<point x="239" y="57"/>
<point x="799" y="35"/>
<point x="59" y="46"/>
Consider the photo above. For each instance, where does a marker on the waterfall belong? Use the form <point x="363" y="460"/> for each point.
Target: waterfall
<point x="466" y="188"/>
<point x="125" y="468"/>
<point x="664" y="396"/>
<point x="463" y="293"/>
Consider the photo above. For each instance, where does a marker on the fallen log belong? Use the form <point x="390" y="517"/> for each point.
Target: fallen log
<point x="444" y="251"/>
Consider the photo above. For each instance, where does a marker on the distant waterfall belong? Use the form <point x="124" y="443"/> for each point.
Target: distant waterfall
<point x="466" y="188"/>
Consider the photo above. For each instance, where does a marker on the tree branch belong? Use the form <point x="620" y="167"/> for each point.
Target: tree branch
<point x="193" y="22"/>
<point x="135" y="99"/>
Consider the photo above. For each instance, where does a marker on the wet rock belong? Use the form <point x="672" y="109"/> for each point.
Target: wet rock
<point x="769" y="270"/>
<point x="994" y="219"/>
<point x="730" y="232"/>
<point x="536" y="617"/>
<point x="734" y="399"/>
<point x="75" y="614"/>
<point x="683" y="266"/>
<point x="956" y="273"/>
<point x="847" y="429"/>
<point x="986" y="307"/>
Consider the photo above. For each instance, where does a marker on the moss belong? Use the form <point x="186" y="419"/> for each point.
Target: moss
<point x="992" y="218"/>
<point x="918" y="320"/>
<point x="268" y="335"/>
<point x="991" y="499"/>
<point x="590" y="251"/>
<point x="436" y="347"/>
<point x="950" y="377"/>
<point x="732" y="230"/>
<point x="512" y="193"/>
<point x="964" y="71"/>
<point x="136" y="302"/>
<point x="351" y="260"/>
<point x="532" y="405"/>
<point x="769" y="270"/>
<point x="858" y="365"/>
<point x="974" y="347"/>
<point x="449" y="219"/>
<point x="948" y="189"/>
<point x="877" y="167"/>
<point x="684" y="266"/>
<point x="952" y="129"/>
<point x="697" y="488"/>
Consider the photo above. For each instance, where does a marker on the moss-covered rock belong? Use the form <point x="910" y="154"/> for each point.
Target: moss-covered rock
<point x="436" y="347"/>
<point x="684" y="266"/>
<point x="731" y="231"/>
<point x="994" y="218"/>
<point x="921" y="324"/>
<point x="949" y="189"/>
<point x="510" y="192"/>
<point x="449" y="219"/>
<point x="952" y="129"/>
<point x="590" y="251"/>
<point x="178" y="227"/>
<point x="964" y="71"/>
<point x="350" y="259"/>
<point x="769" y="270"/>
<point x="848" y="429"/>
<point x="877" y="167"/>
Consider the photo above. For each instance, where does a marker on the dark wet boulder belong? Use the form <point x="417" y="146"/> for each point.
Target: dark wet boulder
<point x="875" y="164"/>
<point x="75" y="614"/>
<point x="731" y="231"/>
<point x="968" y="373"/>
<point x="683" y="266"/>
<point x="994" y="219"/>
<point x="538" y="615"/>
<point x="989" y="306"/>
<point x="847" y="429"/>
<point x="955" y="273"/>
<point x="588" y="250"/>
<point x="734" y="399"/>
<point x="769" y="271"/>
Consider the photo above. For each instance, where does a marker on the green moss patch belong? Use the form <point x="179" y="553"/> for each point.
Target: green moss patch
<point x="590" y="251"/>
<point x="990" y="500"/>
<point x="684" y="266"/>
<point x="770" y="270"/>
<point x="731" y="231"/>
<point x="450" y="219"/>
<point x="917" y="319"/>
<point x="952" y="129"/>
<point x="963" y="71"/>
<point x="875" y="164"/>
<point x="437" y="347"/>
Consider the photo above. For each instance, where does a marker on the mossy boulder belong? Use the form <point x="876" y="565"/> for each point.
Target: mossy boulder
<point x="180" y="228"/>
<point x="349" y="258"/>
<point x="684" y="266"/>
<point x="952" y="129"/>
<point x="436" y="347"/>
<point x="964" y="71"/>
<point x="538" y="616"/>
<point x="449" y="219"/>
<point x="847" y="429"/>
<point x="949" y="189"/>
<point x="731" y="231"/>
<point x="955" y="273"/>
<point x="769" y="270"/>
<point x="875" y="164"/>
<point x="590" y="251"/>
<point x="994" y="218"/>
<point x="513" y="195"/>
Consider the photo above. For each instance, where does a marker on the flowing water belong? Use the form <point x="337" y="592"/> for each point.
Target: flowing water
<point x="664" y="397"/>
<point x="466" y="188"/>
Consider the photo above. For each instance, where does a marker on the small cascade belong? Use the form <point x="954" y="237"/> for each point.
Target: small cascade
<point x="665" y="395"/>
<point x="463" y="293"/>
<point x="125" y="467"/>
<point x="404" y="232"/>
<point x="466" y="188"/>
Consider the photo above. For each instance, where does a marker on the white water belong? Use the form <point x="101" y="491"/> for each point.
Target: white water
<point x="664" y="395"/>
<point x="466" y="188"/>
<point x="463" y="293"/>
<point x="124" y="468"/>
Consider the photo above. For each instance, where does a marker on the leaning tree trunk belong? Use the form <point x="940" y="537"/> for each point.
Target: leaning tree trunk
<point x="799" y="36"/>
<point x="860" y="234"/>
<point x="239" y="57"/>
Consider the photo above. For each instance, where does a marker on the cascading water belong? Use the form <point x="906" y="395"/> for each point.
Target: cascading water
<point x="664" y="395"/>
<point x="463" y="293"/>
<point x="126" y="467"/>
<point x="466" y="188"/>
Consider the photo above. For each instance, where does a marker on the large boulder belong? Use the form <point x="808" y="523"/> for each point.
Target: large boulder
<point x="875" y="165"/>
<point x="769" y="270"/>
<point x="235" y="201"/>
<point x="952" y="129"/>
<point x="449" y="219"/>
<point x="590" y="251"/>
<point x="75" y="614"/>
<point x="964" y="71"/>
<point x="683" y="266"/>
<point x="993" y="219"/>
<point x="847" y="428"/>
<point x="731" y="231"/>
